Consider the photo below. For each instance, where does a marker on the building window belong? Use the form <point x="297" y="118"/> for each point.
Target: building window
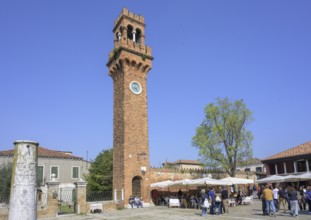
<point x="290" y="167"/>
<point x="75" y="172"/>
<point x="272" y="169"/>
<point x="258" y="169"/>
<point x="54" y="170"/>
<point x="40" y="175"/>
<point x="301" y="166"/>
<point x="280" y="167"/>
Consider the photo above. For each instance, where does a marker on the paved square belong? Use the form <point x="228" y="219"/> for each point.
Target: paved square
<point x="244" y="212"/>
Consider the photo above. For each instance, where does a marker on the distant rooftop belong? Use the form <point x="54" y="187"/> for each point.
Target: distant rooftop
<point x="45" y="153"/>
<point x="302" y="149"/>
<point x="251" y="161"/>
<point x="191" y="162"/>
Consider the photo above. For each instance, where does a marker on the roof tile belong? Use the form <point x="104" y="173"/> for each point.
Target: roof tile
<point x="44" y="152"/>
<point x="295" y="151"/>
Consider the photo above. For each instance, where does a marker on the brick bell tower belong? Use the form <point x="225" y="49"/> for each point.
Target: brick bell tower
<point x="129" y="63"/>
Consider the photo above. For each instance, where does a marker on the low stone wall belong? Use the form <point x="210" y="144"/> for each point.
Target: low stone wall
<point x="106" y="205"/>
<point x="4" y="213"/>
<point x="42" y="212"/>
<point x="46" y="212"/>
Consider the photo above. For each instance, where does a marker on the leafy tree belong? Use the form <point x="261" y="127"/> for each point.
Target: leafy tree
<point x="5" y="182"/>
<point x="100" y="173"/>
<point x="222" y="138"/>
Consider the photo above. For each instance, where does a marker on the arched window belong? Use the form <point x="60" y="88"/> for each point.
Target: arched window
<point x="138" y="36"/>
<point x="130" y="32"/>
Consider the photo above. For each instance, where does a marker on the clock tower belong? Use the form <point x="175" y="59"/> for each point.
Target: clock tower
<point x="129" y="63"/>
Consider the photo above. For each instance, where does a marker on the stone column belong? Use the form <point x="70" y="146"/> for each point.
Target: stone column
<point x="134" y="36"/>
<point x="53" y="190"/>
<point x="295" y="166"/>
<point x="81" y="206"/>
<point x="23" y="197"/>
<point x="285" y="170"/>
<point x="276" y="169"/>
<point x="115" y="196"/>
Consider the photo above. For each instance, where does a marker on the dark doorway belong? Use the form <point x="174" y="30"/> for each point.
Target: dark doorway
<point x="136" y="186"/>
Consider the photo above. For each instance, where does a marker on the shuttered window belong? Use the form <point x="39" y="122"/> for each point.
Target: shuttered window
<point x="75" y="172"/>
<point x="40" y="175"/>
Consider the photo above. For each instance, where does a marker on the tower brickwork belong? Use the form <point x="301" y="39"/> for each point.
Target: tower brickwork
<point x="129" y="63"/>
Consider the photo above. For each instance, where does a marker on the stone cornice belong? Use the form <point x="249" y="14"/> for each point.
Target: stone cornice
<point x="119" y="49"/>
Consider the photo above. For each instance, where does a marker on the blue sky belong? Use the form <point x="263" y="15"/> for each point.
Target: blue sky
<point x="55" y="88"/>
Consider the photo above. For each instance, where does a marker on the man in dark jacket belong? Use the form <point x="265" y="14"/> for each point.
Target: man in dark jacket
<point x="224" y="197"/>
<point x="211" y="196"/>
<point x="282" y="199"/>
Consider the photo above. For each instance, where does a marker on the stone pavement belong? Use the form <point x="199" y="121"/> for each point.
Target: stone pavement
<point x="244" y="212"/>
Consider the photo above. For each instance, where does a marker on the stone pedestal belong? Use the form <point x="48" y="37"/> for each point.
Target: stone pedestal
<point x="81" y="206"/>
<point x="53" y="190"/>
<point x="23" y="197"/>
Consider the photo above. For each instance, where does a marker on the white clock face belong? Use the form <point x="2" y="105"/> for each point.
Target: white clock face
<point x="135" y="87"/>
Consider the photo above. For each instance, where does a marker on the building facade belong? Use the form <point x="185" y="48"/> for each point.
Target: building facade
<point x="296" y="160"/>
<point x="128" y="65"/>
<point x="184" y="164"/>
<point x="66" y="167"/>
<point x="252" y="165"/>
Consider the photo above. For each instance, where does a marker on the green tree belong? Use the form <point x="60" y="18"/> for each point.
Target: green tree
<point x="100" y="173"/>
<point x="222" y="138"/>
<point x="5" y="182"/>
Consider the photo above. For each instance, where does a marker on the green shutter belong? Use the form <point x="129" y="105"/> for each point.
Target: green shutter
<point x="75" y="172"/>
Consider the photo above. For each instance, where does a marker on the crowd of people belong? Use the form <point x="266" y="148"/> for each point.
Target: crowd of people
<point x="213" y="201"/>
<point x="216" y="200"/>
<point x="290" y="198"/>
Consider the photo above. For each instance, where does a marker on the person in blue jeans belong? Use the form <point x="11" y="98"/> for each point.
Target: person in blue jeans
<point x="293" y="197"/>
<point x="268" y="197"/>
<point x="217" y="203"/>
<point x="211" y="196"/>
<point x="203" y="197"/>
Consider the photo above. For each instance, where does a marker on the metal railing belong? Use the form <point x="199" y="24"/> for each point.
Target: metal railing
<point x="99" y="196"/>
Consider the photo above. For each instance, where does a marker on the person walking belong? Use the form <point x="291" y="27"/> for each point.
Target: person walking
<point x="225" y="197"/>
<point x="308" y="198"/>
<point x="301" y="199"/>
<point x="211" y="196"/>
<point x="268" y="197"/>
<point x="204" y="202"/>
<point x="276" y="197"/>
<point x="218" y="203"/>
<point x="282" y="199"/>
<point x="293" y="198"/>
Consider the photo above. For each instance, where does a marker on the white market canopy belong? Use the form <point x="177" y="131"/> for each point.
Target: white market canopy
<point x="183" y="182"/>
<point x="235" y="180"/>
<point x="305" y="176"/>
<point x="289" y="178"/>
<point x="208" y="181"/>
<point x="162" y="184"/>
<point x="194" y="182"/>
<point x="272" y="179"/>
